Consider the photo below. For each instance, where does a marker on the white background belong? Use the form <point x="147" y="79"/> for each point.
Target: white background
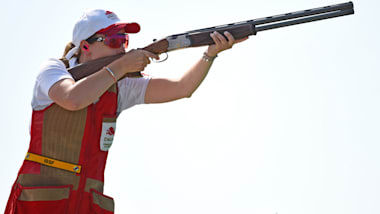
<point x="287" y="122"/>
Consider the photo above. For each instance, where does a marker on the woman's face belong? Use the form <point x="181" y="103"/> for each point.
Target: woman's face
<point x="100" y="49"/>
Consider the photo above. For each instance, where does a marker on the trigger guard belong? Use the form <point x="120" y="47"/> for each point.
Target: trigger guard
<point x="163" y="60"/>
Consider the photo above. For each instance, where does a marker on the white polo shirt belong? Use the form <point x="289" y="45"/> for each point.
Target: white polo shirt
<point x="131" y="90"/>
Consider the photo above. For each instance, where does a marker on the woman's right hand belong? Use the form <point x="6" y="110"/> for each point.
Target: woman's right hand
<point x="133" y="61"/>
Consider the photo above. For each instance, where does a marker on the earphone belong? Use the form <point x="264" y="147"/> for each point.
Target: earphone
<point x="85" y="48"/>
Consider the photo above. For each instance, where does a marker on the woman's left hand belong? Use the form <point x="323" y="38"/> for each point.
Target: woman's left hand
<point x="221" y="43"/>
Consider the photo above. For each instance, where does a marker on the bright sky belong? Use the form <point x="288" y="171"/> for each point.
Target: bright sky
<point x="287" y="122"/>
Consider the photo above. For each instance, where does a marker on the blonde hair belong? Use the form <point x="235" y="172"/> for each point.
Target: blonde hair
<point x="68" y="47"/>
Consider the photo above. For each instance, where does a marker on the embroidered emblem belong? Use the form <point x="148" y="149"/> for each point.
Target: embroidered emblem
<point x="111" y="15"/>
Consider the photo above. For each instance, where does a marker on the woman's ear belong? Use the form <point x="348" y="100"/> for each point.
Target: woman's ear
<point x="84" y="46"/>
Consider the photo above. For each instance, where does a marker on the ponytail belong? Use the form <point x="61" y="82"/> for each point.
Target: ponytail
<point x="68" y="47"/>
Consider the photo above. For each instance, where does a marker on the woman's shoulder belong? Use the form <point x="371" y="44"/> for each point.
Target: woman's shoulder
<point x="51" y="71"/>
<point x="52" y="63"/>
<point x="52" y="67"/>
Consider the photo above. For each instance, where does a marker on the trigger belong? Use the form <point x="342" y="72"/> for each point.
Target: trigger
<point x="161" y="60"/>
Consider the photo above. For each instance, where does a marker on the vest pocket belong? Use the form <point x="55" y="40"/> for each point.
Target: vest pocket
<point x="101" y="204"/>
<point x="43" y="200"/>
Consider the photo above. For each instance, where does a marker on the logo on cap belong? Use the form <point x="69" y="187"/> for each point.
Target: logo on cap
<point x="111" y="15"/>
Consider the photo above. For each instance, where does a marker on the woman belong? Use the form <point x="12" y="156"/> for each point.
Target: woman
<point x="73" y="122"/>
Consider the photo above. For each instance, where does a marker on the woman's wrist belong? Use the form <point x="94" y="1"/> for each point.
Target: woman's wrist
<point x="206" y="57"/>
<point x="209" y="57"/>
<point x="111" y="73"/>
<point x="211" y="53"/>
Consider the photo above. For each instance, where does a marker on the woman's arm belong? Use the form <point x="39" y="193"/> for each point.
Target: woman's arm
<point x="161" y="90"/>
<point x="74" y="96"/>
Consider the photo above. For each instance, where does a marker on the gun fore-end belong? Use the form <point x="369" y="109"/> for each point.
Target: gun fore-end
<point x="204" y="38"/>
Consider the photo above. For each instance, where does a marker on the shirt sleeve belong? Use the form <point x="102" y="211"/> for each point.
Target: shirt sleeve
<point x="51" y="71"/>
<point x="131" y="92"/>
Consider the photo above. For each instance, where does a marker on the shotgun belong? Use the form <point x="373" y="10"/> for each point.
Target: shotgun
<point x="201" y="37"/>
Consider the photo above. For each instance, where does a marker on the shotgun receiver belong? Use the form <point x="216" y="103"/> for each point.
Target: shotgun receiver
<point x="201" y="37"/>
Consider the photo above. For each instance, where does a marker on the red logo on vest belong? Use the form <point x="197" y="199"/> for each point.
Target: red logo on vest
<point x="110" y="131"/>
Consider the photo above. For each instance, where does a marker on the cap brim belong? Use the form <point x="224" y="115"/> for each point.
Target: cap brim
<point x="128" y="27"/>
